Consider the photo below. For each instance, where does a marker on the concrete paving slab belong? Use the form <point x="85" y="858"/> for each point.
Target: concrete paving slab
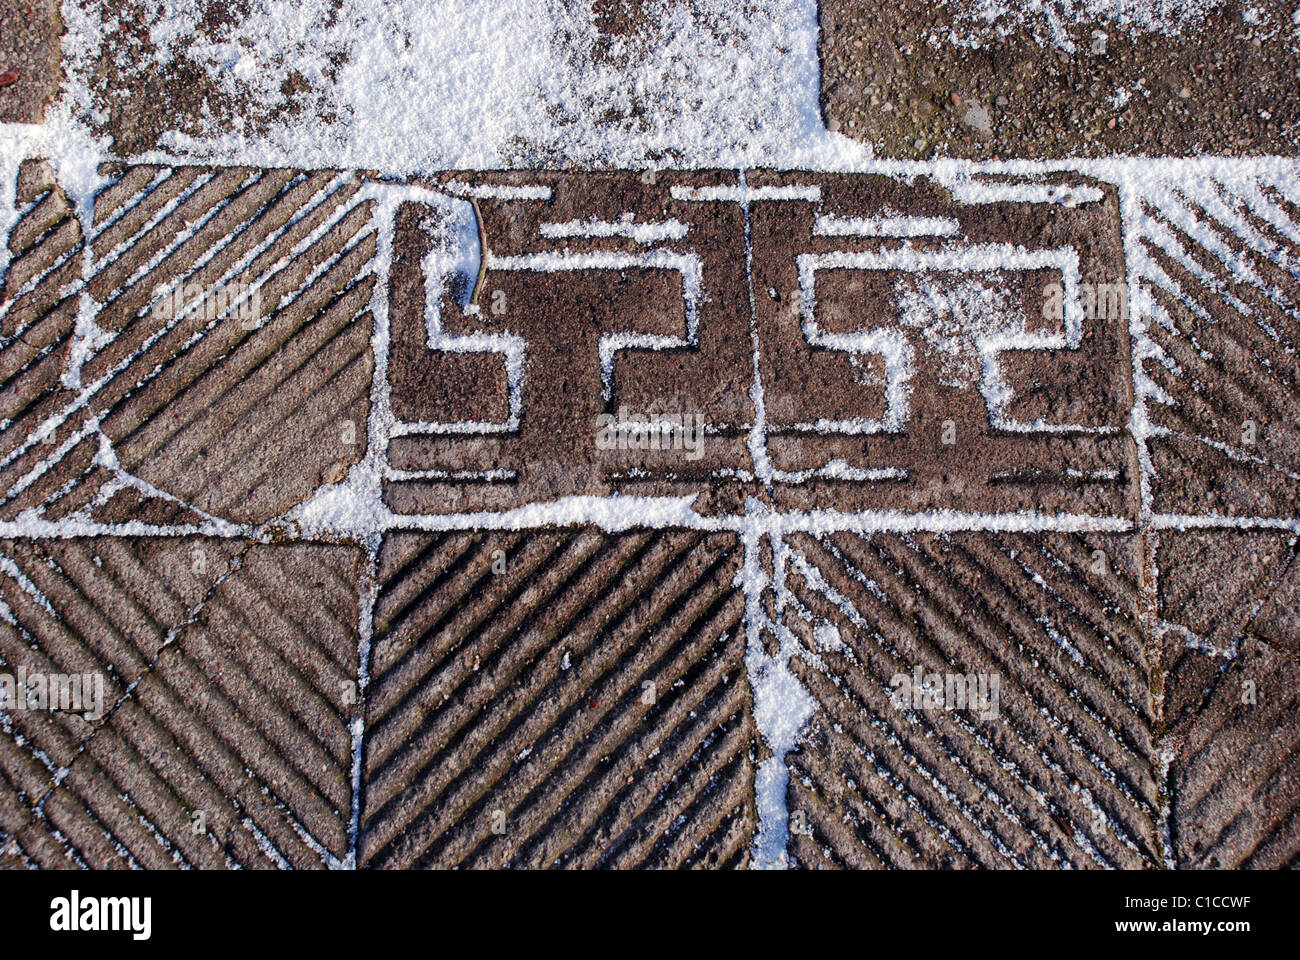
<point x="1229" y="690"/>
<point x="566" y="699"/>
<point x="981" y="700"/>
<point x="918" y="79"/>
<point x="229" y="674"/>
<point x="622" y="301"/>
<point x="880" y="357"/>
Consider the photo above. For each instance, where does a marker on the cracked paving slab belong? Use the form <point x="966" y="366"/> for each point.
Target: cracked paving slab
<point x="1228" y="606"/>
<point x="225" y="739"/>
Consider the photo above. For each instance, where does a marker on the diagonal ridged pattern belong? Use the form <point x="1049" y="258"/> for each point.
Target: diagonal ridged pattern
<point x="37" y="312"/>
<point x="1234" y="794"/>
<point x="100" y="606"/>
<point x="1219" y="268"/>
<point x="1230" y="623"/>
<point x="226" y="361"/>
<point x="231" y="675"/>
<point x="582" y="705"/>
<point x="243" y="422"/>
<point x="1060" y="773"/>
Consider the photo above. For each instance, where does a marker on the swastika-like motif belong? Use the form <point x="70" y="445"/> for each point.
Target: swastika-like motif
<point x="942" y="358"/>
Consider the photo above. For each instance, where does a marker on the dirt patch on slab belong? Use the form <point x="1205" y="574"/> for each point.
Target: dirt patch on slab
<point x="894" y="77"/>
<point x="145" y="85"/>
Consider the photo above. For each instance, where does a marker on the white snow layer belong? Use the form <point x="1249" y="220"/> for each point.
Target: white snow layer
<point x="412" y="86"/>
<point x="1057" y="16"/>
<point x="421" y="85"/>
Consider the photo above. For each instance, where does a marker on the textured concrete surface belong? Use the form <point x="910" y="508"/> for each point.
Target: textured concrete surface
<point x="257" y="455"/>
<point x="949" y="454"/>
<point x="914" y="79"/>
<point x="224" y="739"/>
<point x="587" y="708"/>
<point x="1231" y="697"/>
<point x="29" y="58"/>
<point x="1064" y="774"/>
<point x="570" y="697"/>
<point x="948" y="457"/>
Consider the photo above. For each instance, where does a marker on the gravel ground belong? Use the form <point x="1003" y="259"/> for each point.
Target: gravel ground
<point x="1222" y="87"/>
<point x="29" y="58"/>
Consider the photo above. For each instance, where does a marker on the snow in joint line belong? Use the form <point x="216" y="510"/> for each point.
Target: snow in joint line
<point x="745" y="194"/>
<point x="645" y="234"/>
<point x="495" y="191"/>
<point x="826" y="225"/>
<point x="839" y="470"/>
<point x="985" y="191"/>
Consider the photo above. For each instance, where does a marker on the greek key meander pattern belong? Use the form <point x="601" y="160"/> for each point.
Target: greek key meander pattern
<point x="587" y="518"/>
